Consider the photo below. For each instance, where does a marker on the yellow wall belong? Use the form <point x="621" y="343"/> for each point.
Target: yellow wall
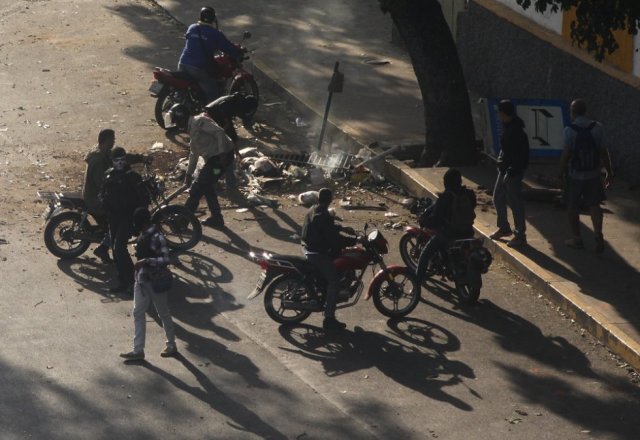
<point x="622" y="58"/>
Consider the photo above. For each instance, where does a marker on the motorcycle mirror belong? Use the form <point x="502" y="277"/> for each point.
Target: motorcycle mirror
<point x="246" y="35"/>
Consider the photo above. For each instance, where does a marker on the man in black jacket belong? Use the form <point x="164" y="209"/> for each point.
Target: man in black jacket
<point x="451" y="216"/>
<point x="512" y="163"/>
<point x="322" y="241"/>
<point x="122" y="192"/>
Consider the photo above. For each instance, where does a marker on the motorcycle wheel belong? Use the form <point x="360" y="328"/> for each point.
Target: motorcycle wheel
<point x="398" y="296"/>
<point x="468" y="294"/>
<point x="180" y="227"/>
<point x="280" y="287"/>
<point x="163" y="104"/>
<point x="246" y="87"/>
<point x="410" y="250"/>
<point x="57" y="236"/>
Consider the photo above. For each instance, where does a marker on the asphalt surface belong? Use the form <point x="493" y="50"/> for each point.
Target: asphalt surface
<point x="511" y="367"/>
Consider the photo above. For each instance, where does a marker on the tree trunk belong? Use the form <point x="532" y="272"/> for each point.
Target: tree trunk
<point x="449" y="135"/>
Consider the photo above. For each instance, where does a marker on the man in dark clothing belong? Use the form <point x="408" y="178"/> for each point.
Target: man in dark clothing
<point x="222" y="111"/>
<point x="322" y="241"/>
<point x="203" y="41"/>
<point x="450" y="222"/>
<point x="122" y="192"/>
<point x="98" y="162"/>
<point x="512" y="163"/>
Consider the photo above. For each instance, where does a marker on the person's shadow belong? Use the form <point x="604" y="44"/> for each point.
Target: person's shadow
<point x="426" y="371"/>
<point x="92" y="275"/>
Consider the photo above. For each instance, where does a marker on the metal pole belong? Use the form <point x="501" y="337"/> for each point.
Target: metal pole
<point x="335" y="85"/>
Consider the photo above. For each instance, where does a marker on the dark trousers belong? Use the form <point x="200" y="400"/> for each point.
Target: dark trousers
<point x="120" y="230"/>
<point x="436" y="243"/>
<point x="205" y="185"/>
<point x="510" y="193"/>
<point x="325" y="266"/>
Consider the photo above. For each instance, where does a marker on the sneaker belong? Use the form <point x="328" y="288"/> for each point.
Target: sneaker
<point x="169" y="351"/>
<point x="133" y="356"/>
<point x="599" y="244"/>
<point x="214" y="222"/>
<point x="102" y="252"/>
<point x="575" y="243"/>
<point x="333" y="324"/>
<point x="500" y="233"/>
<point x="517" y="241"/>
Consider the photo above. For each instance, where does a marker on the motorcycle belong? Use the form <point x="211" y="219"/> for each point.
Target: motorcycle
<point x="175" y="87"/>
<point x="462" y="261"/>
<point x="71" y="228"/>
<point x="294" y="288"/>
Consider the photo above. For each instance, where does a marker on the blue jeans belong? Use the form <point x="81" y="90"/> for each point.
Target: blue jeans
<point x="510" y="193"/>
<point x="208" y="84"/>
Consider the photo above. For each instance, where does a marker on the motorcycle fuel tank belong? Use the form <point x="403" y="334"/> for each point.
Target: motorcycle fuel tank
<point x="352" y="258"/>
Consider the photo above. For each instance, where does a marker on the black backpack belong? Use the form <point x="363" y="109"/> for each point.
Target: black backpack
<point x="462" y="212"/>
<point x="586" y="156"/>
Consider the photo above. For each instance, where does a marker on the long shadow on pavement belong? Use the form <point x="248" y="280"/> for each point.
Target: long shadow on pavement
<point x="345" y="352"/>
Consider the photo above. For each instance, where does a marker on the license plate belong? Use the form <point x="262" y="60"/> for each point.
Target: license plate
<point x="155" y="87"/>
<point x="259" y="286"/>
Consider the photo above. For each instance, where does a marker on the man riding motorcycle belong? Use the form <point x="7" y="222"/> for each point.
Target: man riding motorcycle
<point x="451" y="216"/>
<point x="203" y="40"/>
<point x="322" y="241"/>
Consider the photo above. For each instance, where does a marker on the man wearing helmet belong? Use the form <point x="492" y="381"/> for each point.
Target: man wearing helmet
<point x="203" y="41"/>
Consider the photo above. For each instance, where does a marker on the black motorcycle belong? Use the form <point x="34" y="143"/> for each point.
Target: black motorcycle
<point x="71" y="228"/>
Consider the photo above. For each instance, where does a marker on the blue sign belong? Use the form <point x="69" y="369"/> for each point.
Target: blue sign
<point x="544" y="122"/>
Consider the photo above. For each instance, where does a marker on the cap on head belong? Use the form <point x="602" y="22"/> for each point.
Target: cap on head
<point x="505" y="106"/>
<point x="118" y="152"/>
<point x="207" y="14"/>
<point x="106" y="134"/>
<point x="452" y="179"/>
<point x="325" y="196"/>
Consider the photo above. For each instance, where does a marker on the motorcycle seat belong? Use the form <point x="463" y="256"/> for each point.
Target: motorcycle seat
<point x="297" y="261"/>
<point x="74" y="198"/>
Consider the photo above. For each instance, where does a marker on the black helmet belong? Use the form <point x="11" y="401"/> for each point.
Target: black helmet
<point x="207" y="14"/>
<point x="179" y="115"/>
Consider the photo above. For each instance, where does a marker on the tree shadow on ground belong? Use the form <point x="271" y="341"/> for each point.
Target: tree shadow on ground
<point x="346" y="352"/>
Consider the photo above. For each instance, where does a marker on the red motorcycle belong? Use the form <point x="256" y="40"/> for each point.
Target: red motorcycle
<point x="295" y="289"/>
<point x="175" y="87"/>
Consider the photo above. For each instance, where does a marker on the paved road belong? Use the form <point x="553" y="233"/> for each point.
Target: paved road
<point x="510" y="367"/>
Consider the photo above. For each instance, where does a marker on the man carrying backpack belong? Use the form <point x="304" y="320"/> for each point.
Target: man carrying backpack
<point x="452" y="216"/>
<point x="512" y="162"/>
<point x="584" y="155"/>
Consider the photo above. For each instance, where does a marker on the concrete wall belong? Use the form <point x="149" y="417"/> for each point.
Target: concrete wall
<point x="549" y="20"/>
<point x="501" y="59"/>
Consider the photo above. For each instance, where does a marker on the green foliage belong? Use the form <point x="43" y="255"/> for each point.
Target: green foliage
<point x="593" y="30"/>
<point x="596" y="21"/>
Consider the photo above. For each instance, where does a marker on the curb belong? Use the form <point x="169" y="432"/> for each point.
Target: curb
<point x="612" y="336"/>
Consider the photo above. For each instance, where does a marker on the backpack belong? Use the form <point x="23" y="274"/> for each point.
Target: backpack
<point x="585" y="156"/>
<point x="462" y="213"/>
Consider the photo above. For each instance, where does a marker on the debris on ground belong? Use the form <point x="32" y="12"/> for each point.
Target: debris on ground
<point x="308" y="198"/>
<point x="349" y="205"/>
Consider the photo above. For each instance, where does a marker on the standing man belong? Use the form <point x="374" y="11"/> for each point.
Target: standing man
<point x="585" y="155"/>
<point x="153" y="258"/>
<point x="98" y="162"/>
<point x="203" y="41"/>
<point x="512" y="163"/>
<point x="322" y="241"/>
<point x="209" y="141"/>
<point x="122" y="192"/>
<point x="222" y="111"/>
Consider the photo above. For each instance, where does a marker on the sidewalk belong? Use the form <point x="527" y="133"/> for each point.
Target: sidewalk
<point x="297" y="47"/>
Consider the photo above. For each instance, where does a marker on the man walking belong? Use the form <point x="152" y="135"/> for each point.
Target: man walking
<point x="584" y="155"/>
<point x="512" y="163"/>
